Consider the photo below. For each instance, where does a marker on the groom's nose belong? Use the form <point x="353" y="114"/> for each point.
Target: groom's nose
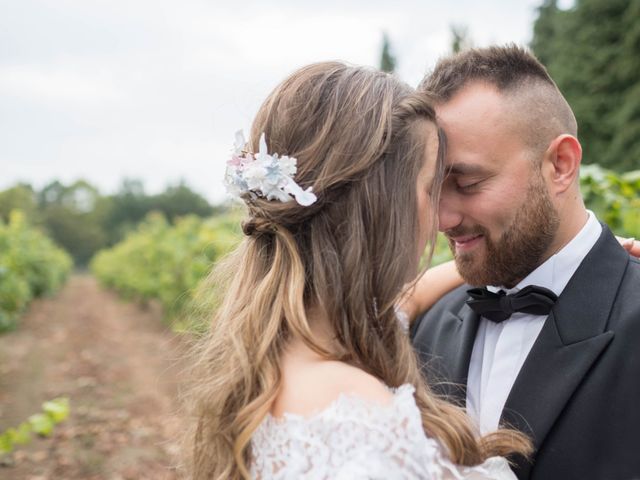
<point x="449" y="213"/>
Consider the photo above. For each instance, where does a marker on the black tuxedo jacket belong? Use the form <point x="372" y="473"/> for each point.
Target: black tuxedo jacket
<point x="578" y="392"/>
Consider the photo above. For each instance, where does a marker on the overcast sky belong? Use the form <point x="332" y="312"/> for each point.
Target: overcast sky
<point x="155" y="89"/>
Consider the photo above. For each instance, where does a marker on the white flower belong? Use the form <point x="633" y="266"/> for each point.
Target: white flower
<point x="239" y="144"/>
<point x="303" y="197"/>
<point x="264" y="175"/>
<point x="262" y="152"/>
<point x="275" y="192"/>
<point x="254" y="174"/>
<point x="288" y="165"/>
<point x="236" y="186"/>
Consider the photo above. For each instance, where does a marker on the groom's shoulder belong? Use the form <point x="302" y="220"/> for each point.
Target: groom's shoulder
<point x="620" y="264"/>
<point x="633" y="270"/>
<point x="634" y="265"/>
<point x="630" y="283"/>
<point x="452" y="302"/>
<point x="624" y="313"/>
<point x="614" y="274"/>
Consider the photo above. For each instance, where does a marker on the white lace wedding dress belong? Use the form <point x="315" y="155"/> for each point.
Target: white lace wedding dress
<point x="354" y="439"/>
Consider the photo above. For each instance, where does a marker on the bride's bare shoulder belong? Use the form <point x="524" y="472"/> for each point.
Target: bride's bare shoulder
<point x="311" y="386"/>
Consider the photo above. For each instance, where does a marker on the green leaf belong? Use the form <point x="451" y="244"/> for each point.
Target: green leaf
<point x="23" y="434"/>
<point x="41" y="424"/>
<point x="7" y="440"/>
<point x="57" y="409"/>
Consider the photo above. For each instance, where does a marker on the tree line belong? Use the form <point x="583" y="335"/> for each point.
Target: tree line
<point x="593" y="52"/>
<point x="82" y="220"/>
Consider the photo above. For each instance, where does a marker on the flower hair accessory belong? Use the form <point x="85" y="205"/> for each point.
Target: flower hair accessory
<point x="264" y="175"/>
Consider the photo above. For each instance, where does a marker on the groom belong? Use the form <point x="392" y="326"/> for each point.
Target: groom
<point x="560" y="361"/>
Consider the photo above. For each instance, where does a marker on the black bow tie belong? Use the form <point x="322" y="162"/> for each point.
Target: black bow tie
<point x="498" y="307"/>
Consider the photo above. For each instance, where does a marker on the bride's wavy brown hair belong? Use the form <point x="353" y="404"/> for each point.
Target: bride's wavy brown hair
<point x="359" y="136"/>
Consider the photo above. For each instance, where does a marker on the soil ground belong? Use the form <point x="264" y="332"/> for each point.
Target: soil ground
<point x="119" y="366"/>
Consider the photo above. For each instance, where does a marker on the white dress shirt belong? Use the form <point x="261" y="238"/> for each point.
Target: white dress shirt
<point x="500" y="349"/>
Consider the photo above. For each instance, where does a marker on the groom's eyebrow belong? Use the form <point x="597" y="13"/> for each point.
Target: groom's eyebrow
<point x="461" y="168"/>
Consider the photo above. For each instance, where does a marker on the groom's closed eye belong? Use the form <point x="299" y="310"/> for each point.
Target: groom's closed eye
<point x="468" y="186"/>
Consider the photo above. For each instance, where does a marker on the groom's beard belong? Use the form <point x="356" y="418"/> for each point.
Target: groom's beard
<point x="519" y="250"/>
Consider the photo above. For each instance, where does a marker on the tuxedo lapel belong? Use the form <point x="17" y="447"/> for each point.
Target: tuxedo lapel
<point x="551" y="373"/>
<point x="462" y="356"/>
<point x="455" y="347"/>
<point x="572" y="339"/>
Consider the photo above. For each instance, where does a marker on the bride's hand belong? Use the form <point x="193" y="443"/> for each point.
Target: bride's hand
<point x="631" y="245"/>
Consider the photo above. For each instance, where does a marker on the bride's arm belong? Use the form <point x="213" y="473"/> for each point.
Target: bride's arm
<point x="434" y="283"/>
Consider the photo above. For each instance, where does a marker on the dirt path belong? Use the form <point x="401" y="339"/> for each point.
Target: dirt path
<point x="119" y="367"/>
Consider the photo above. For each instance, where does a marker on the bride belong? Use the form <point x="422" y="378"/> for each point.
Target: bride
<point x="306" y="371"/>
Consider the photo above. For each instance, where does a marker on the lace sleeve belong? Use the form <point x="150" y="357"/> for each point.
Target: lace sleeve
<point x="353" y="439"/>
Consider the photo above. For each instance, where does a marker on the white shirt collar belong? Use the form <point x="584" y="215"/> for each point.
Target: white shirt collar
<point x="558" y="269"/>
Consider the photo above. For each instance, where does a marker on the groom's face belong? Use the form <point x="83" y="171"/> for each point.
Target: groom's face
<point x="495" y="208"/>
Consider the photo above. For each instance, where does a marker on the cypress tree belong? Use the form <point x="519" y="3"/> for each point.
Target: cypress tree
<point x="387" y="60"/>
<point x="593" y="53"/>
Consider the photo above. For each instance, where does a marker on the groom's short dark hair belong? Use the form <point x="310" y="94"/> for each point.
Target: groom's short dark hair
<point x="505" y="67"/>
<point x="516" y="73"/>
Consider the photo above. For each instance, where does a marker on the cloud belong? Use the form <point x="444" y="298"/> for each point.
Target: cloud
<point x="58" y="86"/>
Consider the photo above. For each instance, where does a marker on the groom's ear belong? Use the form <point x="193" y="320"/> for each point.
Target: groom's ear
<point x="562" y="162"/>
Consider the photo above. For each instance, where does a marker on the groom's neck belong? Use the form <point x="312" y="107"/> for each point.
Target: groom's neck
<point x="572" y="220"/>
<point x="568" y="228"/>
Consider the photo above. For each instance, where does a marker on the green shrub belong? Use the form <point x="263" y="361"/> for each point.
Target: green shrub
<point x="166" y="262"/>
<point x="31" y="265"/>
<point x="614" y="198"/>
